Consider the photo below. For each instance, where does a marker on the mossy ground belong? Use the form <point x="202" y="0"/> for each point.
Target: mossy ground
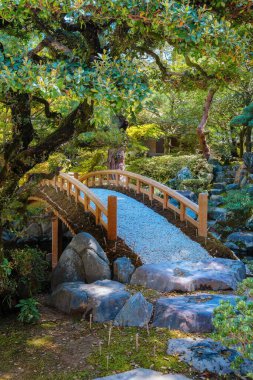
<point x="59" y="347"/>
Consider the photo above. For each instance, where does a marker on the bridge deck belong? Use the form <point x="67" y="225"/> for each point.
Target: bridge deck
<point x="149" y="234"/>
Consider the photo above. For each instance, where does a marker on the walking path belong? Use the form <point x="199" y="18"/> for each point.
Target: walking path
<point x="149" y="234"/>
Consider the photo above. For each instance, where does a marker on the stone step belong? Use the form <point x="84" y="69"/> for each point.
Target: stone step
<point x="103" y="299"/>
<point x="207" y="355"/>
<point x="219" y="185"/>
<point x="186" y="276"/>
<point x="191" y="314"/>
<point x="218" y="213"/>
<point x="216" y="191"/>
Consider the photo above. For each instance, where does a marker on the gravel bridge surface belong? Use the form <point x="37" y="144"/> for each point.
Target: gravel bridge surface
<point x="149" y="234"/>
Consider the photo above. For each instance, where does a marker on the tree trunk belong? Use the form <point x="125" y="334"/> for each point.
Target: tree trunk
<point x="116" y="159"/>
<point x="201" y="127"/>
<point x="248" y="143"/>
<point x="242" y="133"/>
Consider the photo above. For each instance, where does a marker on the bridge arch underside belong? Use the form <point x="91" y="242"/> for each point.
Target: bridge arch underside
<point x="212" y="245"/>
<point x="73" y="215"/>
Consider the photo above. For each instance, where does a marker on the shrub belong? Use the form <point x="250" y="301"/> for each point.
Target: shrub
<point x="165" y="168"/>
<point x="29" y="312"/>
<point x="238" y="200"/>
<point x="234" y="323"/>
<point x="23" y="272"/>
<point x="196" y="185"/>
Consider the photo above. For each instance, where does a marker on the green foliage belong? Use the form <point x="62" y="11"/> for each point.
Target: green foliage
<point x="196" y="185"/>
<point x="238" y="200"/>
<point x="246" y="287"/>
<point x="246" y="118"/>
<point x="88" y="161"/>
<point x="165" y="168"/>
<point x="22" y="272"/>
<point x="234" y="323"/>
<point x="144" y="132"/>
<point x="29" y="312"/>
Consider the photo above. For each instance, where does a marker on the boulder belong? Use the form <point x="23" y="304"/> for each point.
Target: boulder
<point x="143" y="374"/>
<point x="191" y="314"/>
<point x="208" y="355"/>
<point x="102" y="299"/>
<point x="216" y="191"/>
<point x="136" y="312"/>
<point x="244" y="240"/>
<point x="69" y="268"/>
<point x="218" y="213"/>
<point x="183" y="174"/>
<point x="123" y="270"/>
<point x="82" y="260"/>
<point x="220" y="185"/>
<point x="95" y="261"/>
<point x="232" y="186"/>
<point x="249" y="190"/>
<point x="33" y="230"/>
<point x="189" y="194"/>
<point x="186" y="276"/>
<point x="70" y="298"/>
<point x="216" y="200"/>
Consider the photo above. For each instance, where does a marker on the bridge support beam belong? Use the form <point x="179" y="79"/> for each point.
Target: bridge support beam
<point x="56" y="240"/>
<point x="112" y="218"/>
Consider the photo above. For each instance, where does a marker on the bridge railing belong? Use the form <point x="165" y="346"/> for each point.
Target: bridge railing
<point x="104" y="215"/>
<point x="154" y="190"/>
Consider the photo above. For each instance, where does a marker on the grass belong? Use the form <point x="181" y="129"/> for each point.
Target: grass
<point x="45" y="352"/>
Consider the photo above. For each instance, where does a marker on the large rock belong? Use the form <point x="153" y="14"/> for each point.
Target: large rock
<point x="189" y="194"/>
<point x="136" y="312"/>
<point x="216" y="191"/>
<point x="95" y="261"/>
<point x="186" y="276"/>
<point x="123" y="270"/>
<point x="192" y="314"/>
<point x="33" y="230"/>
<point x="70" y="298"/>
<point x="244" y="240"/>
<point x="69" y="269"/>
<point x="208" y="355"/>
<point x="143" y="374"/>
<point x="83" y="260"/>
<point x="103" y="299"/>
<point x="218" y="213"/>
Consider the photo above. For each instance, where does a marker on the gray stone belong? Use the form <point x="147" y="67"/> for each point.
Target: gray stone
<point x="249" y="223"/>
<point x="83" y="260"/>
<point x="95" y="261"/>
<point x="143" y="374"/>
<point x="186" y="276"/>
<point x="192" y="314"/>
<point x="249" y="190"/>
<point x="136" y="312"/>
<point x="220" y="185"/>
<point x="207" y="355"/>
<point x="123" y="270"/>
<point x="218" y="213"/>
<point x="183" y="174"/>
<point x="70" y="298"/>
<point x="69" y="268"/>
<point x="244" y="240"/>
<point x="103" y="299"/>
<point x="216" y="191"/>
<point x="232" y="186"/>
<point x="216" y="200"/>
<point x="189" y="194"/>
<point x="33" y="230"/>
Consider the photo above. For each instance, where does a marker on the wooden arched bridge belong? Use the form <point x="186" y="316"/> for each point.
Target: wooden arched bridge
<point x="80" y="187"/>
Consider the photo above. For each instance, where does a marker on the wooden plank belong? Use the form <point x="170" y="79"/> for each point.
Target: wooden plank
<point x="112" y="218"/>
<point x="203" y="209"/>
<point x="182" y="212"/>
<point x="56" y="240"/>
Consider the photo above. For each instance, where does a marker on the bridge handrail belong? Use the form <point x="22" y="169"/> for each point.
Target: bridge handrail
<point x="123" y="178"/>
<point x="73" y="186"/>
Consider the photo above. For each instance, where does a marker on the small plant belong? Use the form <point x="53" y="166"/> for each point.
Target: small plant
<point x="238" y="200"/>
<point x="234" y="323"/>
<point x="29" y="312"/>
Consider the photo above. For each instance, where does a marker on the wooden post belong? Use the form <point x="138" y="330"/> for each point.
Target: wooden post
<point x="182" y="211"/>
<point x="86" y="203"/>
<point x="77" y="193"/>
<point x="151" y="192"/>
<point x="117" y="180"/>
<point x="61" y="183"/>
<point x="138" y="186"/>
<point x="98" y="215"/>
<point x="165" y="200"/>
<point x="100" y="182"/>
<point x="112" y="218"/>
<point x="56" y="240"/>
<point x="127" y="183"/>
<point x="203" y="209"/>
<point x="76" y="175"/>
<point x="68" y="188"/>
